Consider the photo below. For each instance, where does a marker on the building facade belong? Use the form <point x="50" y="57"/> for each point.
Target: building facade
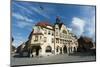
<point x="46" y="39"/>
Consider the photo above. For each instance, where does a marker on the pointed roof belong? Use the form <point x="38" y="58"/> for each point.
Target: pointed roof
<point x="58" y="22"/>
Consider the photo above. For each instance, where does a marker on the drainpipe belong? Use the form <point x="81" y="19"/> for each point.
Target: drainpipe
<point x="54" y="43"/>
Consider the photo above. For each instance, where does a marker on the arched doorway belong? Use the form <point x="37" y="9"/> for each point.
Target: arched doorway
<point x="36" y="49"/>
<point x="65" y="49"/>
<point x="75" y="49"/>
<point x="48" y="49"/>
<point x="60" y="50"/>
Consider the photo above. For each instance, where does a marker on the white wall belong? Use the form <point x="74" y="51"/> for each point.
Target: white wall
<point x="48" y="41"/>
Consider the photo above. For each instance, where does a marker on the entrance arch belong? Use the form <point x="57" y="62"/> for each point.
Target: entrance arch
<point x="36" y="49"/>
<point x="75" y="49"/>
<point x="48" y="49"/>
<point x="65" y="49"/>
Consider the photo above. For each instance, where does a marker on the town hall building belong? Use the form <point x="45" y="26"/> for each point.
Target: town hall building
<point x="51" y="39"/>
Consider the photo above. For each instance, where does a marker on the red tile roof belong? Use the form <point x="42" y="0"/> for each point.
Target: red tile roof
<point x="43" y="24"/>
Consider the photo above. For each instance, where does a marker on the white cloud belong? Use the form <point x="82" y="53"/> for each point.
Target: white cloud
<point x="17" y="43"/>
<point x="90" y="28"/>
<point x="39" y="11"/>
<point x="22" y="21"/>
<point x="22" y="7"/>
<point x="21" y="17"/>
<point x="78" y="26"/>
<point x="70" y="29"/>
<point x="82" y="27"/>
<point x="18" y="39"/>
<point x="23" y="24"/>
<point x="89" y="15"/>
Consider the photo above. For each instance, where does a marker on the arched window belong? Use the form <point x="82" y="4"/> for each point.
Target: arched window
<point x="48" y="49"/>
<point x="64" y="31"/>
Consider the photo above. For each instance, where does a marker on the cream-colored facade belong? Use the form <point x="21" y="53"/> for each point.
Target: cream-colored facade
<point x="54" y="39"/>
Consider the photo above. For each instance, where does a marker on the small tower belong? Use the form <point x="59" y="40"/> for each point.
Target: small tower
<point x="58" y="20"/>
<point x="57" y="32"/>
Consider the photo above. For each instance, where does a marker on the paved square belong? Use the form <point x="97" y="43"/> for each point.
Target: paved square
<point x="50" y="59"/>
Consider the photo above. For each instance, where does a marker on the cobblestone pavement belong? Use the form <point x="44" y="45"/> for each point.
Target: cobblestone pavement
<point x="50" y="59"/>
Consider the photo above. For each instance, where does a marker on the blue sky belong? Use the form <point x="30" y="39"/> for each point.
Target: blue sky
<point x="79" y="19"/>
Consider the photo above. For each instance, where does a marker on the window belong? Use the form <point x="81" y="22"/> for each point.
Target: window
<point x="52" y="33"/>
<point x="52" y="40"/>
<point x="48" y="32"/>
<point x="63" y="41"/>
<point x="36" y="38"/>
<point x="57" y="40"/>
<point x="65" y="36"/>
<point x="60" y="41"/>
<point x="57" y="48"/>
<point x="61" y="35"/>
<point x="56" y="33"/>
<point x="56" y="28"/>
<point x="48" y="49"/>
<point x="45" y="31"/>
<point x="64" y="31"/>
<point x="40" y="37"/>
<point x="45" y="39"/>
